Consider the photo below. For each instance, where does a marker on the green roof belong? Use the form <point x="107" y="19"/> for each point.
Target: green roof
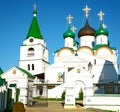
<point x="1" y="71"/>
<point x="34" y="30"/>
<point x="101" y="31"/>
<point x="26" y="72"/>
<point x="98" y="46"/>
<point x="101" y="45"/>
<point x="69" y="33"/>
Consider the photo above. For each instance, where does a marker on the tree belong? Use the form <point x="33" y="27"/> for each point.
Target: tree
<point x="81" y="94"/>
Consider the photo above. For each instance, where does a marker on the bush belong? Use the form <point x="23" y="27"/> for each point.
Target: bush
<point x="7" y="110"/>
<point x="63" y="95"/>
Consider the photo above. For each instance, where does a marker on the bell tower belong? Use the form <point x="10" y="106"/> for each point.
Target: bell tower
<point x="33" y="51"/>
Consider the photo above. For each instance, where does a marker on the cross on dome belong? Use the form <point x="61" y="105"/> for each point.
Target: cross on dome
<point x="34" y="10"/>
<point x="101" y="14"/>
<point x="73" y="28"/>
<point x="69" y="18"/>
<point x="34" y="6"/>
<point x="86" y="9"/>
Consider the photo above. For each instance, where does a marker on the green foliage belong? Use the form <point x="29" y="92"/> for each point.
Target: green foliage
<point x="63" y="95"/>
<point x="81" y="94"/>
<point x="7" y="110"/>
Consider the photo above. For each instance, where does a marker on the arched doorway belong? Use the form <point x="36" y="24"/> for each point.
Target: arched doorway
<point x="79" y="88"/>
<point x="72" y="92"/>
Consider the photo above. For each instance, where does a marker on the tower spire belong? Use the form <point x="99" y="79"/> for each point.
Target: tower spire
<point x="34" y="30"/>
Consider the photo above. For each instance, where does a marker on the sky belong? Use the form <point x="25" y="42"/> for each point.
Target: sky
<point x="16" y="17"/>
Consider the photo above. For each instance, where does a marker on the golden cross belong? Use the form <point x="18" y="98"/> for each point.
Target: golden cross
<point x="101" y="14"/>
<point x="86" y="9"/>
<point x="35" y="6"/>
<point x="73" y="28"/>
<point x="69" y="18"/>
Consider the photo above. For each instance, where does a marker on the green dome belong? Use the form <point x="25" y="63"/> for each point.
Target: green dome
<point x="69" y="33"/>
<point x="101" y="31"/>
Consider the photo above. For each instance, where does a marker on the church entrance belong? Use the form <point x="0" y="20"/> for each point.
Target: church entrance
<point x="74" y="94"/>
<point x="42" y="95"/>
<point x="79" y="93"/>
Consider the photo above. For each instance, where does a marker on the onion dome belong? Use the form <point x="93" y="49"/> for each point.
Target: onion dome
<point x="86" y="30"/>
<point x="69" y="33"/>
<point x="101" y="31"/>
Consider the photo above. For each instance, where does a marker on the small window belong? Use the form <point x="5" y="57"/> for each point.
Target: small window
<point x="31" y="40"/>
<point x="28" y="66"/>
<point x="95" y="61"/>
<point x="32" y="66"/>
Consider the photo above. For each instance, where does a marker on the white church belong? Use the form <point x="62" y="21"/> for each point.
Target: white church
<point x="90" y="64"/>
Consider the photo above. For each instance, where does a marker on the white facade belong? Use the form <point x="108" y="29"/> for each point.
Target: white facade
<point x="94" y="62"/>
<point x="33" y="55"/>
<point x="21" y="81"/>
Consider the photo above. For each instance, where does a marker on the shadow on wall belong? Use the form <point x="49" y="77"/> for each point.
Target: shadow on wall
<point x="108" y="80"/>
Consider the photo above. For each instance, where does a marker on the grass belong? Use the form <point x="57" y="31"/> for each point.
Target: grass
<point x="49" y="99"/>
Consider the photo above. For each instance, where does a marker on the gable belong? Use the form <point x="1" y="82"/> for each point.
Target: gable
<point x="16" y="72"/>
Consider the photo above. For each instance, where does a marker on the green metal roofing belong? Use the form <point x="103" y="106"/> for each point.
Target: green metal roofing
<point x="101" y="31"/>
<point x="98" y="46"/>
<point x="26" y="72"/>
<point x="69" y="33"/>
<point x="34" y="30"/>
<point x="1" y="71"/>
<point x="2" y="81"/>
<point x="101" y="45"/>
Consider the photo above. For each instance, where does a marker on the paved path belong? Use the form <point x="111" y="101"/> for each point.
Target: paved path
<point x="57" y="106"/>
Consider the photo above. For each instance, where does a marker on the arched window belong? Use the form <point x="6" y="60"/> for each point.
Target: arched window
<point x="31" y="52"/>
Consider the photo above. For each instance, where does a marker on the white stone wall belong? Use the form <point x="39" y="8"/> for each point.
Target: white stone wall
<point x="37" y="58"/>
<point x="107" y="102"/>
